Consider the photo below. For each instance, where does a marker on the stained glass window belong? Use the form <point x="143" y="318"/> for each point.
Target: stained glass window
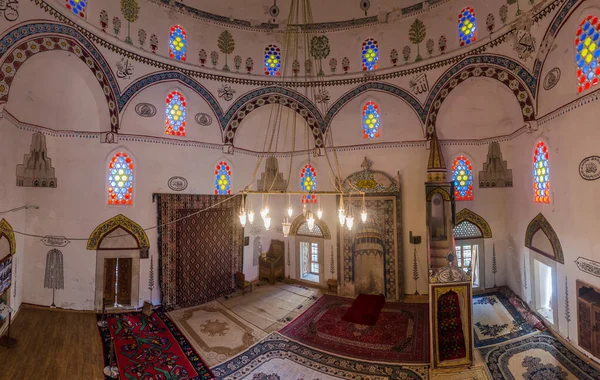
<point x="77" y="6"/>
<point x="175" y="112"/>
<point x="178" y="43"/>
<point x="467" y="27"/>
<point x="541" y="174"/>
<point x="370" y="55"/>
<point x="272" y="60"/>
<point x="462" y="177"/>
<point x="588" y="53"/>
<point x="223" y="178"/>
<point x="308" y="183"/>
<point x="120" y="180"/>
<point x="370" y="120"/>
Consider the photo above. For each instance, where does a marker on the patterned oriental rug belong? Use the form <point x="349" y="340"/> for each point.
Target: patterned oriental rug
<point x="401" y="334"/>
<point x="540" y="356"/>
<point x="496" y="320"/>
<point x="365" y="309"/>
<point x="151" y="348"/>
<point x="450" y="331"/>
<point x="278" y="358"/>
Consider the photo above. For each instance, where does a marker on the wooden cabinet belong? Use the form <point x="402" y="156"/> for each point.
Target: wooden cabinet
<point x="588" y="318"/>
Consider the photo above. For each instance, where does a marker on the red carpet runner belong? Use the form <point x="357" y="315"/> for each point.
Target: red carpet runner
<point x="400" y="335"/>
<point x="151" y="348"/>
<point x="365" y="309"/>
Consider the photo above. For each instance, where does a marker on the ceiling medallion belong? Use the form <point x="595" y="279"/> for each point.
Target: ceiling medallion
<point x="589" y="168"/>
<point x="551" y="78"/>
<point x="365" y="5"/>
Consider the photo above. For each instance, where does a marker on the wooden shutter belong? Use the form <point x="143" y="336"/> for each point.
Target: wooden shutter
<point x="110" y="266"/>
<point x="585" y="325"/>
<point x="124" y="290"/>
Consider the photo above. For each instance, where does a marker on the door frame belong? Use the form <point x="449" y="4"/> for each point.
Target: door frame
<point x="480" y="242"/>
<point x="133" y="254"/>
<point x="310" y="239"/>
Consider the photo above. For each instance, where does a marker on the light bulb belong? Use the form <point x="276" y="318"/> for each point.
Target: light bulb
<point x="286" y="227"/>
<point x="363" y="216"/>
<point x="319" y="213"/>
<point x="290" y="211"/>
<point x="342" y="218"/>
<point x="264" y="212"/>
<point x="243" y="218"/>
<point x="251" y="216"/>
<point x="267" y="222"/>
<point x="349" y="222"/>
<point x="310" y="221"/>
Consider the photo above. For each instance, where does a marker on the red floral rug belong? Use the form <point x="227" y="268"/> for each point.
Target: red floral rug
<point x="365" y="309"/>
<point x="400" y="335"/>
<point x="151" y="348"/>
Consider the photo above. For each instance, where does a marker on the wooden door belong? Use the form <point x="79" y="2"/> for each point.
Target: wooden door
<point x="124" y="281"/>
<point x="596" y="330"/>
<point x="584" y="329"/>
<point x="110" y="273"/>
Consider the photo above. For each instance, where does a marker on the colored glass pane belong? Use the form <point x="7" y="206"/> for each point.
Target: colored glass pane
<point x="541" y="174"/>
<point x="175" y="114"/>
<point x="77" y="6"/>
<point x="120" y="180"/>
<point x="223" y="178"/>
<point x="587" y="53"/>
<point x="308" y="183"/>
<point x="370" y="119"/>
<point x="467" y="27"/>
<point x="370" y="54"/>
<point x="272" y="60"/>
<point x="462" y="177"/>
<point x="178" y="43"/>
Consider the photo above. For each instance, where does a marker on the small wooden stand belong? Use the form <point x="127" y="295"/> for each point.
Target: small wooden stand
<point x="332" y="284"/>
<point x="6" y="340"/>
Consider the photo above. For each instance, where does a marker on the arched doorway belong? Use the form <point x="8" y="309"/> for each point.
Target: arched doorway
<point x="119" y="243"/>
<point x="470" y="230"/>
<point x="310" y="249"/>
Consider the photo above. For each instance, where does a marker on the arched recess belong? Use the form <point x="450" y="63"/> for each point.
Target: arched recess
<point x="501" y="69"/>
<point x="438" y="190"/>
<point x="375" y="86"/>
<point x="466" y="215"/>
<point x="300" y="220"/>
<point x="539" y="224"/>
<point x="118" y="222"/>
<point x="29" y="46"/>
<point x="273" y="95"/>
<point x="7" y="232"/>
<point x="172" y="76"/>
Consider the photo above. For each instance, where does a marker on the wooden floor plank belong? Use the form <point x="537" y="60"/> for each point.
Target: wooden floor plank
<point x="53" y="344"/>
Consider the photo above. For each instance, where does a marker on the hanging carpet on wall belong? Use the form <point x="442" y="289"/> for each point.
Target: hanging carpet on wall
<point x="200" y="252"/>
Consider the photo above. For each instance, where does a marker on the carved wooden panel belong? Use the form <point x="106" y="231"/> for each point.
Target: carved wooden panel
<point x="596" y="330"/>
<point x="124" y="279"/>
<point x="585" y="327"/>
<point x="110" y="266"/>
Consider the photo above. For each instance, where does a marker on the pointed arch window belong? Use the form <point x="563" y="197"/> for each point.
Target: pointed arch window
<point x="178" y="43"/>
<point x="272" y="60"/>
<point x="175" y="113"/>
<point x="308" y="183"/>
<point x="467" y="26"/>
<point x="462" y="177"/>
<point x="588" y="53"/>
<point x="120" y="180"/>
<point x="78" y="7"/>
<point x="370" y="120"/>
<point x="223" y="178"/>
<point x="370" y="54"/>
<point x="541" y="174"/>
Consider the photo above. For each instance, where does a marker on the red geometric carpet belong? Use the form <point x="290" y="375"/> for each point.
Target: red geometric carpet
<point x="400" y="335"/>
<point x="151" y="348"/>
<point x="365" y="309"/>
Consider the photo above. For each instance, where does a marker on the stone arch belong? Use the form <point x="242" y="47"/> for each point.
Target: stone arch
<point x="119" y="221"/>
<point x="273" y="95"/>
<point x="7" y="231"/>
<point x="300" y="219"/>
<point x="172" y="76"/>
<point x="387" y="88"/>
<point x="541" y="223"/>
<point x="503" y="69"/>
<point x="466" y="215"/>
<point x="25" y="44"/>
<point x="438" y="190"/>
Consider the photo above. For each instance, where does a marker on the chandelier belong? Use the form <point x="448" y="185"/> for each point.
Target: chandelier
<point x="300" y="44"/>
